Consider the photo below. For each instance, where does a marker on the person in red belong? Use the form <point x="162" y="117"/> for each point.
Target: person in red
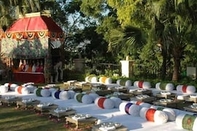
<point x="37" y="67"/>
<point x="40" y="68"/>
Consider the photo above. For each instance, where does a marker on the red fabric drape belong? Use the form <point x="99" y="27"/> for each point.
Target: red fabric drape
<point x="34" y="27"/>
<point x="37" y="23"/>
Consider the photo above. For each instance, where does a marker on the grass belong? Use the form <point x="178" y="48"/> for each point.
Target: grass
<point x="26" y="120"/>
<point x="12" y="119"/>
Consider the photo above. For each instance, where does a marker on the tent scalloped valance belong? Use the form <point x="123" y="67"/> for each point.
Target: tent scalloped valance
<point x="34" y="34"/>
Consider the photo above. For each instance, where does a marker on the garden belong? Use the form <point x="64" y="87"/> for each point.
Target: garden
<point x="79" y="48"/>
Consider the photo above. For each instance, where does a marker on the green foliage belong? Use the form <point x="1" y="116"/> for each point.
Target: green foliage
<point x="73" y="75"/>
<point x="93" y="8"/>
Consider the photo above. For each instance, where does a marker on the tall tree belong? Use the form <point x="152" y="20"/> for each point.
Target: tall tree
<point x="178" y="19"/>
<point x="173" y="22"/>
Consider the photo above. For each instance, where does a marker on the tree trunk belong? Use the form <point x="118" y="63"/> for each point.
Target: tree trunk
<point x="163" y="70"/>
<point x="164" y="57"/>
<point x="177" y="55"/>
<point x="176" y="67"/>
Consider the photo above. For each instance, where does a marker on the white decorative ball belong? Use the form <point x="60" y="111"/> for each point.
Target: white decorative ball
<point x="195" y="125"/>
<point x="157" y="86"/>
<point x="25" y="91"/>
<point x="122" y="107"/>
<point x="118" y="81"/>
<point x="135" y="84"/>
<point x="94" y="79"/>
<point x="179" y="120"/>
<point x="179" y="88"/>
<point x="33" y="92"/>
<point x="31" y="88"/>
<point x="134" y="110"/>
<point x="6" y="84"/>
<point x="190" y="89"/>
<point x="87" y="99"/>
<point x="116" y="100"/>
<point x="143" y="112"/>
<point x="64" y="95"/>
<point x="169" y="87"/>
<point x="13" y="86"/>
<point x="171" y="114"/>
<point x="108" y="104"/>
<point x="87" y="79"/>
<point x="146" y="85"/>
<point x="72" y="94"/>
<point x="160" y="117"/>
<point x="128" y="83"/>
<point x="45" y="93"/>
<point x="108" y="81"/>
<point x="3" y="89"/>
<point x="94" y="95"/>
<point x="16" y="89"/>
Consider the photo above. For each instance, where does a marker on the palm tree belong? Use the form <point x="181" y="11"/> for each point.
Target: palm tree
<point x="175" y="20"/>
<point x="127" y="40"/>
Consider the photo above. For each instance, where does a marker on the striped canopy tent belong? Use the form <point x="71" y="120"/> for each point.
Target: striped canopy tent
<point x="34" y="26"/>
<point x="32" y="37"/>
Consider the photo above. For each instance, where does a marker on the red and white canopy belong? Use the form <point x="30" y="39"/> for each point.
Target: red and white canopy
<point x="34" y="26"/>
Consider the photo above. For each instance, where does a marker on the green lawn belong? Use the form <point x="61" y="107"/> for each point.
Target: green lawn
<point x="12" y="119"/>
